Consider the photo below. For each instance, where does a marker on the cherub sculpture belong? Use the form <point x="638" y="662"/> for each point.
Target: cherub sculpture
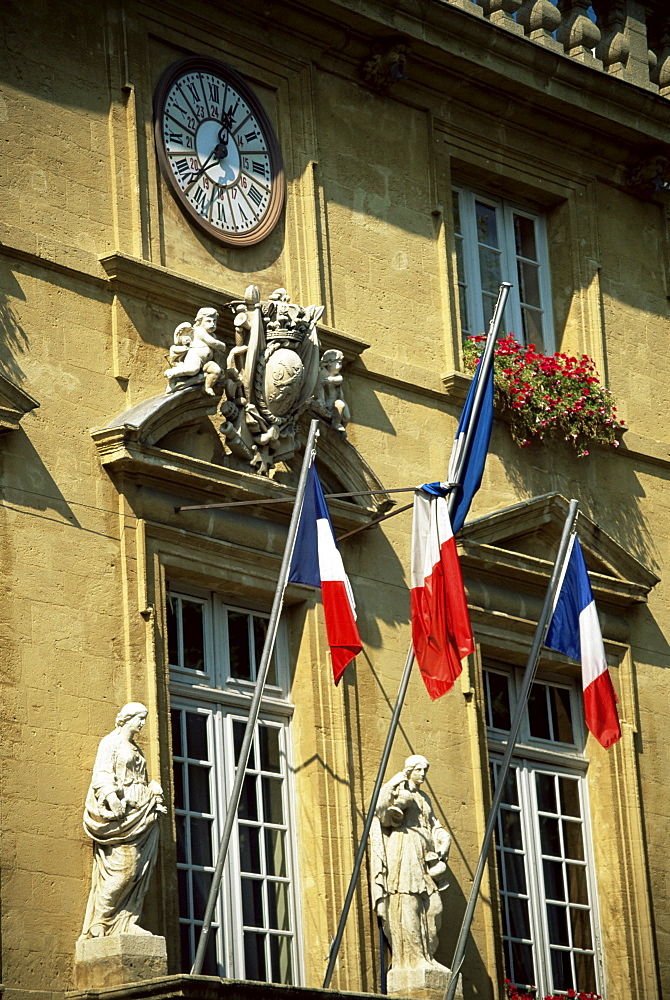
<point x="191" y="355"/>
<point x="329" y="403"/>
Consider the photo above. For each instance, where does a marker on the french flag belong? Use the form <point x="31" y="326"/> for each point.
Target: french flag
<point x="469" y="478"/>
<point x="575" y="631"/>
<point x="441" y="632"/>
<point x="317" y="562"/>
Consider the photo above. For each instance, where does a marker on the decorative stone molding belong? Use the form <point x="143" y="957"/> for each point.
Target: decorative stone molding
<point x="501" y="12"/>
<point x="659" y="43"/>
<point x="577" y="33"/>
<point x="14" y="404"/>
<point x="651" y="176"/>
<point x="169" y="443"/>
<point x="613" y="48"/>
<point x="386" y="64"/>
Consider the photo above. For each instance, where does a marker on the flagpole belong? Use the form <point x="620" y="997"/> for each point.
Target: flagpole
<point x="486" y="361"/>
<point x="528" y="678"/>
<point x="254" y="708"/>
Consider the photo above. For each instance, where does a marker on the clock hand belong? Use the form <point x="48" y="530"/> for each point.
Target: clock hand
<point x="219" y="153"/>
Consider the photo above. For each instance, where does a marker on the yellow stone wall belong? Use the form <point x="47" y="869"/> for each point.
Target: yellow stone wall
<point x="367" y="232"/>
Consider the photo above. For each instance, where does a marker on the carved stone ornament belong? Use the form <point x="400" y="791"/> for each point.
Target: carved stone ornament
<point x="272" y="375"/>
<point x="651" y="176"/>
<point x="386" y="65"/>
<point x="409" y="849"/>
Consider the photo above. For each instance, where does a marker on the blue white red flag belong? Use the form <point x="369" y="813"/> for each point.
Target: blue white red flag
<point x="317" y="562"/>
<point x="441" y="633"/>
<point x="574" y="630"/>
<point x="473" y="470"/>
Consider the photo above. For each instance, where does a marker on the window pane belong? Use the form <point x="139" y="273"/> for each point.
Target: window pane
<point x="202" y="883"/>
<point x="574" y="843"/>
<point x="196" y="736"/>
<point x="250" y="848"/>
<point x="511" y="828"/>
<point x="455" y="207"/>
<point x="515" y="872"/>
<point x="238" y="646"/>
<point x="254" y="956"/>
<point x="498" y="705"/>
<point x="551" y="841"/>
<point x="580" y="921"/>
<point x="561" y="969"/>
<point x="577" y="889"/>
<point x="490" y="270"/>
<point x="178" y="774"/>
<point x="239" y="728"/>
<point x="248" y="808"/>
<point x="557" y="918"/>
<point x="278" y="906"/>
<point x="180" y="823"/>
<point x="175" y="717"/>
<point x="529" y="283"/>
<point x="487" y="226"/>
<point x="187" y="951"/>
<point x="194" y="636"/>
<point x="252" y="902"/>
<point x="269" y="747"/>
<point x="273" y="807"/>
<point x="561" y="716"/>
<point x="260" y="632"/>
<point x="275" y="852"/>
<point x="518" y="917"/>
<point x="173" y="641"/>
<point x="201" y="841"/>
<point x="585" y="973"/>
<point x="538" y="717"/>
<point x="198" y="788"/>
<point x="523" y="970"/>
<point x="533" y="328"/>
<point x="553" y="880"/>
<point x="569" y="797"/>
<point x="280" y="953"/>
<point x="524" y="237"/>
<point x="546" y="792"/>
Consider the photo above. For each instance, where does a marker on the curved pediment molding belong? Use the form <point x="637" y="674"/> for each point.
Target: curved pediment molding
<point x="160" y="443"/>
<point x="14" y="404"/>
<point x="516" y="548"/>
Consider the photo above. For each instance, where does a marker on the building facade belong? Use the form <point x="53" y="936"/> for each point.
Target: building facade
<point x="428" y="151"/>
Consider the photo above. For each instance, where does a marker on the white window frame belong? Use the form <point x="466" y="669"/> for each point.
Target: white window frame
<point x="469" y="281"/>
<point x="564" y="759"/>
<point x="223" y="699"/>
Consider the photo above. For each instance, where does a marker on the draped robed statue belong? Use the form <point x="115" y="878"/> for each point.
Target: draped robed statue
<point x="121" y="818"/>
<point x="409" y="853"/>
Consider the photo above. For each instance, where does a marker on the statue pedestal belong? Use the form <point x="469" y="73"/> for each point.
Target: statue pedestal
<point x="420" y="984"/>
<point x="119" y="959"/>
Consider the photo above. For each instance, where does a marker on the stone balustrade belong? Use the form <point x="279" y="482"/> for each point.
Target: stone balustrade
<point x="629" y="39"/>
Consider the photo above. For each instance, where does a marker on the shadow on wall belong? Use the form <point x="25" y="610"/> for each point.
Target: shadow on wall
<point x="13" y="338"/>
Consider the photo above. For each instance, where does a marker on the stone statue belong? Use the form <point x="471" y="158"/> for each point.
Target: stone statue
<point x="192" y="352"/>
<point x="329" y="403"/>
<point x="409" y="853"/>
<point x="121" y="817"/>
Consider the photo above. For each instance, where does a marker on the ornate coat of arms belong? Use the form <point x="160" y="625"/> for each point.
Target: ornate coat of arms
<point x="273" y="375"/>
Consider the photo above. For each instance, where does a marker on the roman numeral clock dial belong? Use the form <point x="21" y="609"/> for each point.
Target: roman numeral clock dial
<point x="218" y="151"/>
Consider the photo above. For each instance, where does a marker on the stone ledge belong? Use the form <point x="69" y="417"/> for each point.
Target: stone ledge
<point x="185" y="987"/>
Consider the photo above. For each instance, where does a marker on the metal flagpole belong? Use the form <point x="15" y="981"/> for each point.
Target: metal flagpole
<point x="528" y="678"/>
<point x="255" y="706"/>
<point x="485" y="364"/>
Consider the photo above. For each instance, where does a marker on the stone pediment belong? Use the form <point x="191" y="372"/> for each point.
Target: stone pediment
<point x="171" y="443"/>
<point x="14" y="404"/>
<point x="515" y="548"/>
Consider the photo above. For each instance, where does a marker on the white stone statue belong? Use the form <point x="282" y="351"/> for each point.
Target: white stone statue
<point x="191" y="355"/>
<point x="121" y="817"/>
<point x="329" y="403"/>
<point x="409" y="853"/>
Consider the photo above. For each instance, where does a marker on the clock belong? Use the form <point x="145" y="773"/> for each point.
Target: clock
<point x="217" y="151"/>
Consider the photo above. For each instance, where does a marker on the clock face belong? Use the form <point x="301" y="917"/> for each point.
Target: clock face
<point x="217" y="151"/>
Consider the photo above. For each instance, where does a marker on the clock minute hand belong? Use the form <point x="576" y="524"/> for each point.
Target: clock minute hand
<point x="199" y="173"/>
<point x="219" y="153"/>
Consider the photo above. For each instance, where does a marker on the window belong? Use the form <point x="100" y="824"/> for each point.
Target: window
<point x="214" y="651"/>
<point x="542" y="843"/>
<point x="496" y="242"/>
